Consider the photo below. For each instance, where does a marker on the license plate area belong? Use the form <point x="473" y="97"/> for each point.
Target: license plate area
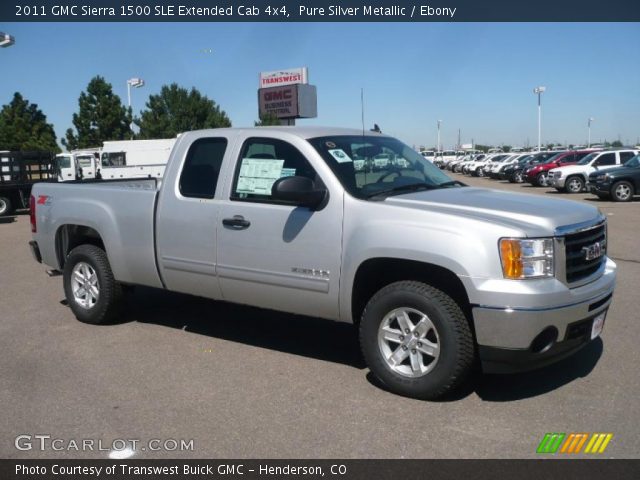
<point x="598" y="324"/>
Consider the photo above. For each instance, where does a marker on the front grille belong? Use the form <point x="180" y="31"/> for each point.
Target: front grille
<point x="577" y="266"/>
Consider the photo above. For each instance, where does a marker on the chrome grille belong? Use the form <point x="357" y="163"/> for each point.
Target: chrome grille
<point x="577" y="265"/>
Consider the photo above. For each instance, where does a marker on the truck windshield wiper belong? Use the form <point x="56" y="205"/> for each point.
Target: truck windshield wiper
<point x="411" y="187"/>
<point x="452" y="183"/>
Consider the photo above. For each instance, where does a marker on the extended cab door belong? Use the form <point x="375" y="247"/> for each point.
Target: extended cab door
<point x="187" y="216"/>
<point x="272" y="254"/>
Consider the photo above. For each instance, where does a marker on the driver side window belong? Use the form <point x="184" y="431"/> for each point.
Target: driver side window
<point x="263" y="161"/>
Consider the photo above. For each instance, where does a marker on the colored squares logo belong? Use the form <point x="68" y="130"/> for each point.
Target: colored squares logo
<point x="573" y="443"/>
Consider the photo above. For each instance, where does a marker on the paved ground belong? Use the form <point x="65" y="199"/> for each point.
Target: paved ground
<point x="242" y="382"/>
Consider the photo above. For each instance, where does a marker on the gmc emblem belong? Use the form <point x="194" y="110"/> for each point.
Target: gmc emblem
<point x="593" y="251"/>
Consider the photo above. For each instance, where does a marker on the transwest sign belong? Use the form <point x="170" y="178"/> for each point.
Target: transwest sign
<point x="279" y="78"/>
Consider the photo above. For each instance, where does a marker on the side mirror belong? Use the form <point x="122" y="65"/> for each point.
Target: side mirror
<point x="299" y="190"/>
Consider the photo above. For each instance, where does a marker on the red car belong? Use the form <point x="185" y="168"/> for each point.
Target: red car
<point x="537" y="175"/>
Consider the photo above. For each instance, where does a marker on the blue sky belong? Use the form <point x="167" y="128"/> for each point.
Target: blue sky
<point x="474" y="77"/>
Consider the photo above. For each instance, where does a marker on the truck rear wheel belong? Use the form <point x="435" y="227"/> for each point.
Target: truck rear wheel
<point x="5" y="206"/>
<point x="416" y="340"/>
<point x="91" y="290"/>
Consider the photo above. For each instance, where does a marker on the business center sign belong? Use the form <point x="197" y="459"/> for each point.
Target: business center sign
<point x="279" y="78"/>
<point x="287" y="95"/>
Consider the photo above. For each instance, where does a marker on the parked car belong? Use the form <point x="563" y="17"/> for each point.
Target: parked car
<point x="497" y="172"/>
<point x="447" y="157"/>
<point x="573" y="178"/>
<point x="429" y="155"/>
<point x="476" y="158"/>
<point x="620" y="184"/>
<point x="435" y="274"/>
<point x="477" y="169"/>
<point x="537" y="176"/>
<point x="507" y="173"/>
<point x="538" y="158"/>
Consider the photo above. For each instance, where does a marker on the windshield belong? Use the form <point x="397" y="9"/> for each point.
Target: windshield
<point x="633" y="162"/>
<point x="586" y="160"/>
<point x="554" y="158"/>
<point x="403" y="170"/>
<point x="64" y="161"/>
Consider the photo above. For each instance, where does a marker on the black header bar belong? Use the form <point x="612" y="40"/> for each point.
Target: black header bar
<point x="319" y="11"/>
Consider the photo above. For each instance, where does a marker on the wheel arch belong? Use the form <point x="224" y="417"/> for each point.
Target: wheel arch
<point x="69" y="236"/>
<point x="376" y="273"/>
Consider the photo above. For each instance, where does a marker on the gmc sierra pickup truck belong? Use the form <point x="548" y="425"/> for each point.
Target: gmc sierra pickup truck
<point x="435" y="274"/>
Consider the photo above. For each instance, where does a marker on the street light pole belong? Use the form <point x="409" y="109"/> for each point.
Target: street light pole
<point x="538" y="91"/>
<point x="439" y="122"/>
<point x="6" y="40"/>
<point x="591" y="119"/>
<point x="135" y="83"/>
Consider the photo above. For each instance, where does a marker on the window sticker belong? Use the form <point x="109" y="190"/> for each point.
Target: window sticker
<point x="340" y="155"/>
<point x="257" y="175"/>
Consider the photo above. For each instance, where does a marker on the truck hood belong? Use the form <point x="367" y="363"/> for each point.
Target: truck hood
<point x="534" y="215"/>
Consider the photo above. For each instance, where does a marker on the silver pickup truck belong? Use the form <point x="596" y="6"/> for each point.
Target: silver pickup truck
<point x="436" y="275"/>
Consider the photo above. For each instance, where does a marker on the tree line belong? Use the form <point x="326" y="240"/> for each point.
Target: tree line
<point x="101" y="116"/>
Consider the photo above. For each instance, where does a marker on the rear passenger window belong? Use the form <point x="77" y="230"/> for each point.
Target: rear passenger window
<point x="263" y="161"/>
<point x="624" y="156"/>
<point x="606" y="159"/>
<point x="202" y="168"/>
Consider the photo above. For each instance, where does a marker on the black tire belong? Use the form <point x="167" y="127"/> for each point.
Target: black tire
<point x="454" y="338"/>
<point x="574" y="184"/>
<point x="542" y="179"/>
<point x="5" y="207"/>
<point x="622" y="191"/>
<point x="108" y="306"/>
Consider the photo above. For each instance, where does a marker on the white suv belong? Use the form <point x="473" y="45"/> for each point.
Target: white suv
<point x="573" y="178"/>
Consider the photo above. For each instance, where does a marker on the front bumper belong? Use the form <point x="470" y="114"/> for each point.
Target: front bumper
<point x="515" y="339"/>
<point x="602" y="188"/>
<point x="557" y="182"/>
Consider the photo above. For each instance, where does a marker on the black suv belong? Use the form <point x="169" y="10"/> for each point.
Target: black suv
<point x="620" y="184"/>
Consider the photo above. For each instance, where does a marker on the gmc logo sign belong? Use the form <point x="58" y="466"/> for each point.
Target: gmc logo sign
<point x="278" y="95"/>
<point x="593" y="251"/>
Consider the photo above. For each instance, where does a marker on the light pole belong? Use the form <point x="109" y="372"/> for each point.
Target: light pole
<point x="439" y="122"/>
<point x="538" y="91"/>
<point x="6" y="40"/>
<point x="591" y="119"/>
<point x="135" y="83"/>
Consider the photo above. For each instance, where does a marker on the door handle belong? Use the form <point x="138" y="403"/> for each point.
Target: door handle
<point x="237" y="221"/>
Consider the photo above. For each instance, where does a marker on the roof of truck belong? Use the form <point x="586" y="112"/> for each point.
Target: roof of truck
<point x="302" y="132"/>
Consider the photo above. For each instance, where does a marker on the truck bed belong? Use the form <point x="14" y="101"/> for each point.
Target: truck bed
<point x="121" y="211"/>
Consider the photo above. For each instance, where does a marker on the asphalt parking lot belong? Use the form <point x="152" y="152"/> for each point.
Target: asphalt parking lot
<point x="242" y="382"/>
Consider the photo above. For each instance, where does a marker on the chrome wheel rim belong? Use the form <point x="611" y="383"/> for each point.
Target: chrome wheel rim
<point x="409" y="342"/>
<point x="575" y="185"/>
<point x="623" y="192"/>
<point x="84" y="285"/>
<point x="3" y="206"/>
<point x="542" y="180"/>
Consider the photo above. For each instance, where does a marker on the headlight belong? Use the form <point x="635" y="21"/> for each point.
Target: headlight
<point x="526" y="257"/>
<point x="602" y="178"/>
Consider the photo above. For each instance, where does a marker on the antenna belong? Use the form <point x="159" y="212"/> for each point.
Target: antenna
<point x="362" y="108"/>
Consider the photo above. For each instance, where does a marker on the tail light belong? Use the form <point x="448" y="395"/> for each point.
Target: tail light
<point x="32" y="213"/>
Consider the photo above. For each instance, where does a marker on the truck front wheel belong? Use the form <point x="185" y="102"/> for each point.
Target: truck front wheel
<point x="416" y="340"/>
<point x="92" y="292"/>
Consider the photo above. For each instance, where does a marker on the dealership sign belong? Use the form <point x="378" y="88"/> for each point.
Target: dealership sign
<point x="290" y="101"/>
<point x="289" y="76"/>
